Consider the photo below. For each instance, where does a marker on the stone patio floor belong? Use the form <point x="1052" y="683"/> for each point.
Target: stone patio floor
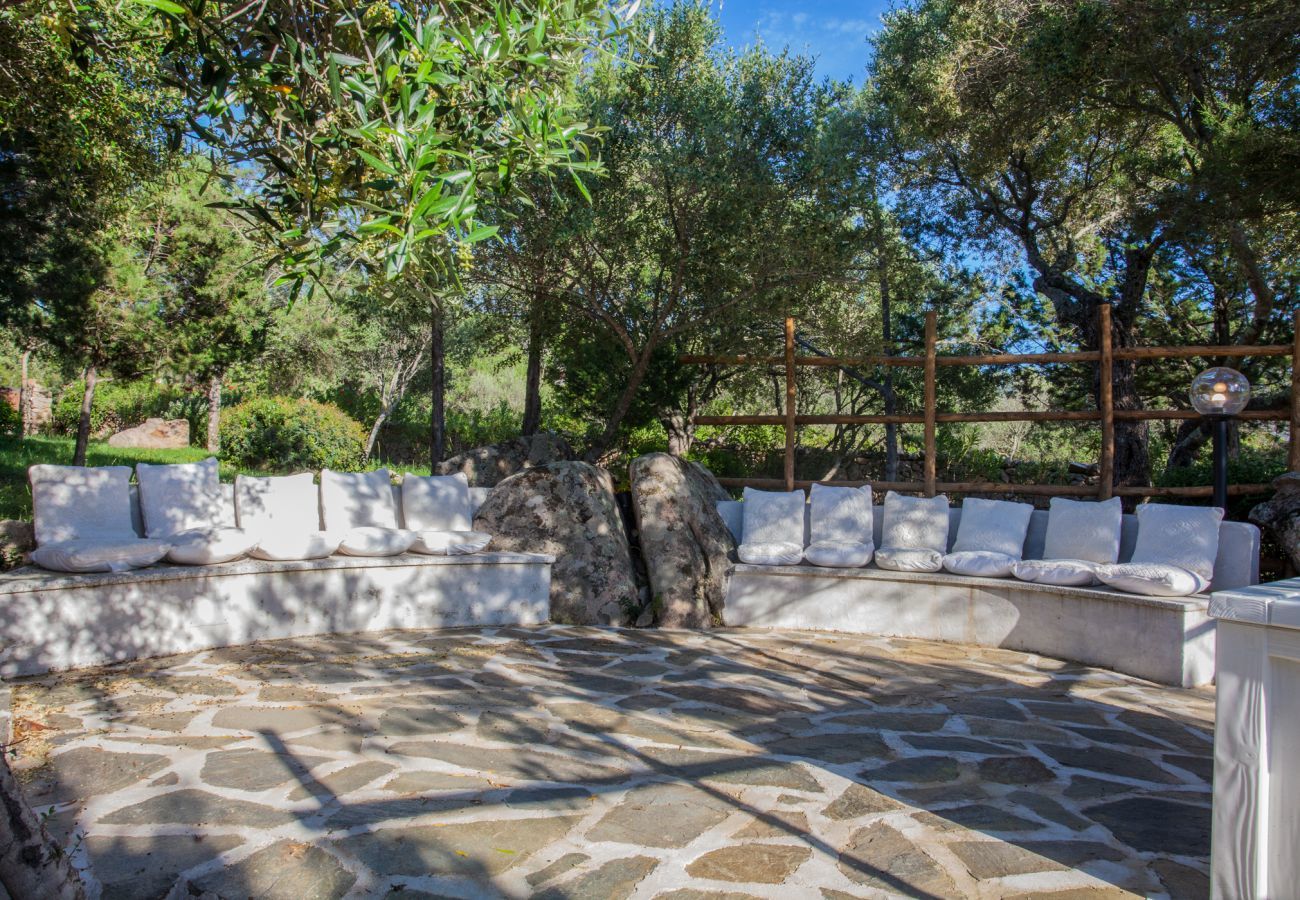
<point x="573" y="763"/>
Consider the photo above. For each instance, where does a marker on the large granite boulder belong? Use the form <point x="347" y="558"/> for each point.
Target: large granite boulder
<point x="154" y="434"/>
<point x="684" y="542"/>
<point x="487" y="466"/>
<point x="1281" y="515"/>
<point x="567" y="509"/>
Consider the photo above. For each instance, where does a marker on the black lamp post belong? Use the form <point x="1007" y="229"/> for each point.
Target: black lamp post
<point x="1219" y="394"/>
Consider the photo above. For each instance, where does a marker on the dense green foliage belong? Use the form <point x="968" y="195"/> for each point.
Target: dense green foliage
<point x="285" y="434"/>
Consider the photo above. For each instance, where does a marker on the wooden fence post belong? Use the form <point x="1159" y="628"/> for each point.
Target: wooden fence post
<point x="931" y="454"/>
<point x="1106" y="402"/>
<point x="1293" y="458"/>
<point x="789" y="403"/>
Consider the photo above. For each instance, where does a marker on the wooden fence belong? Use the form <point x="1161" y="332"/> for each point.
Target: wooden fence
<point x="931" y="418"/>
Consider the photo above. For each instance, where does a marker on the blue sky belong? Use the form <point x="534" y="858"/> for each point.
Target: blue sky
<point x="834" y="31"/>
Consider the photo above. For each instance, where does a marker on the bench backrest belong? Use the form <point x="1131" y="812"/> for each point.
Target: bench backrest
<point x="1237" y="563"/>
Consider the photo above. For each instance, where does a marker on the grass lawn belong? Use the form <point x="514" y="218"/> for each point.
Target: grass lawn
<point x="16" y="456"/>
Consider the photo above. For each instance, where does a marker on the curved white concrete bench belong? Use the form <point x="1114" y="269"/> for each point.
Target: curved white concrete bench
<point x="1165" y="639"/>
<point x="50" y="622"/>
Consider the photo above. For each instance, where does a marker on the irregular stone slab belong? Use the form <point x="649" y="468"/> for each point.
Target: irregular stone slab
<point x="422" y="782"/>
<point x="685" y="543"/>
<point x="693" y="894"/>
<point x="87" y="771"/>
<point x="1047" y="808"/>
<point x="744" y="701"/>
<point x="1118" y="736"/>
<point x="474" y="849"/>
<point x="565" y="863"/>
<point x="603" y="720"/>
<point x="880" y="857"/>
<point x="945" y="794"/>
<point x="343" y="782"/>
<point x="132" y="867"/>
<point x="1083" y="787"/>
<point x="916" y="770"/>
<point x="1181" y="880"/>
<point x="838" y="749"/>
<point x="521" y="762"/>
<point x="857" y="801"/>
<point x="290" y="693"/>
<point x="556" y="799"/>
<point x="1073" y="853"/>
<point x="194" y="807"/>
<point x="171" y="721"/>
<point x="1080" y="713"/>
<point x="413" y="721"/>
<point x="1080" y="893"/>
<point x="983" y="817"/>
<point x="286" y="870"/>
<point x="1200" y="766"/>
<point x="278" y="720"/>
<point x="995" y="859"/>
<point x="661" y="815"/>
<point x="1156" y="826"/>
<point x="1014" y="770"/>
<point x="894" y="721"/>
<point x="752" y="863"/>
<point x="777" y="823"/>
<point x="696" y="765"/>
<point x="255" y="770"/>
<point x="615" y="880"/>
<point x="953" y="744"/>
<point x="567" y="509"/>
<point x="1104" y="761"/>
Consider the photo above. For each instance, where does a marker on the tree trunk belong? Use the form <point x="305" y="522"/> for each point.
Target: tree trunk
<point x="214" y="414"/>
<point x="681" y="434"/>
<point x="373" y="437"/>
<point x="621" y="407"/>
<point x="533" y="380"/>
<point x="1191" y="436"/>
<point x="891" y="430"/>
<point x="30" y="867"/>
<point x="83" y="426"/>
<point x="24" y="399"/>
<point x="438" y="390"/>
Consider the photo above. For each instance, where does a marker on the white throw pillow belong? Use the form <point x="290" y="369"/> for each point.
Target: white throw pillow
<point x="1083" y="529"/>
<point x="980" y="563"/>
<point x="915" y="523"/>
<point x="838" y="554"/>
<point x="102" y="555"/>
<point x="285" y="504"/>
<point x="293" y="545"/>
<point x="997" y="526"/>
<point x="840" y="514"/>
<point x="774" y="517"/>
<point x="376" y="541"/>
<point x="781" y="553"/>
<point x="357" y="500"/>
<point x="904" y="559"/>
<point x="437" y="502"/>
<point x="181" y="497"/>
<point x="1153" y="579"/>
<point x="450" y="543"/>
<point x="1182" y="536"/>
<point x="209" y="546"/>
<point x="1058" y="572"/>
<point x="76" y="503"/>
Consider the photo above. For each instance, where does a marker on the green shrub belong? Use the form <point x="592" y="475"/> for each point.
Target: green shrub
<point x="11" y="421"/>
<point x="118" y="405"/>
<point x="282" y="434"/>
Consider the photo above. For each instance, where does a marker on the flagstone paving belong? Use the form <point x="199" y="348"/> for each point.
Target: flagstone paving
<point x="584" y="763"/>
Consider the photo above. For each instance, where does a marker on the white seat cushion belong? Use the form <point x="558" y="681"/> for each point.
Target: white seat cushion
<point x="840" y="514"/>
<point x="437" y="502"/>
<point x="102" y="555"/>
<point x="780" y="553"/>
<point x="450" y="543"/>
<point x="838" y="554"/>
<point x="278" y="505"/>
<point x="370" y="540"/>
<point x="75" y="503"/>
<point x="209" y="546"/>
<point x="181" y="497"/>
<point x="996" y="526"/>
<point x="1086" y="530"/>
<point x="1153" y="579"/>
<point x="357" y="500"/>
<point x="915" y="523"/>
<point x="773" y="517"/>
<point x="979" y="563"/>
<point x="1058" y="572"/>
<point x="909" y="559"/>
<point x="1183" y="536"/>
<point x="291" y="545"/>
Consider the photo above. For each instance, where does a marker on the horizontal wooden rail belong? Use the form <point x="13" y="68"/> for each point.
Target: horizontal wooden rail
<point x="999" y="487"/>
<point x="1027" y="415"/>
<point x="996" y="359"/>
